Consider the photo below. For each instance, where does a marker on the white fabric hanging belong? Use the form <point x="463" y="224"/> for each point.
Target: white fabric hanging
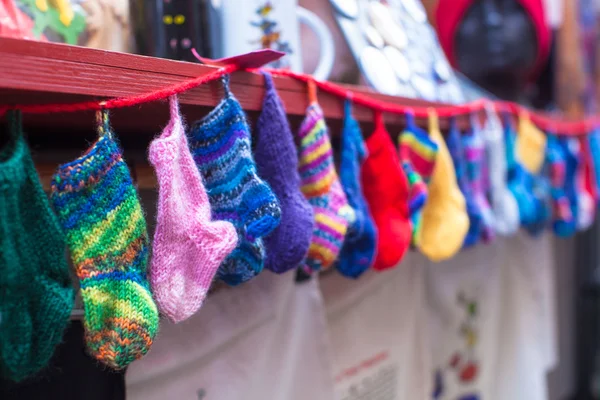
<point x="265" y="339"/>
<point x="378" y="332"/>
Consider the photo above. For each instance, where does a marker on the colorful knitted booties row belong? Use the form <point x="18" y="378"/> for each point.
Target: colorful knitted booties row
<point x="221" y="147"/>
<point x="475" y="172"/>
<point x="386" y="190"/>
<point x="321" y="187"/>
<point x="455" y="147"/>
<point x="188" y="247"/>
<point x="503" y="203"/>
<point x="277" y="163"/>
<point x="444" y="221"/>
<point x="358" y="251"/>
<point x="417" y="155"/>
<point x="37" y="293"/>
<point x="100" y="213"/>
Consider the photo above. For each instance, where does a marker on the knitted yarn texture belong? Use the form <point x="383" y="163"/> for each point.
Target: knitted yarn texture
<point x="98" y="207"/>
<point x="322" y="188"/>
<point x="35" y="287"/>
<point x="277" y="163"/>
<point x="360" y="244"/>
<point x="221" y="147"/>
<point x="188" y="247"/>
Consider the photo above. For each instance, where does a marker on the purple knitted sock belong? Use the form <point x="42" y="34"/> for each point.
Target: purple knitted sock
<point x="277" y="163"/>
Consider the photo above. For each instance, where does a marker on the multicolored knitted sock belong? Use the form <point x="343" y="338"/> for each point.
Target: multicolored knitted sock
<point x="475" y="168"/>
<point x="594" y="146"/>
<point x="36" y="289"/>
<point x="417" y="155"/>
<point x="387" y="196"/>
<point x="455" y="147"/>
<point x="445" y="222"/>
<point x="504" y="205"/>
<point x="519" y="180"/>
<point x="587" y="191"/>
<point x="277" y="163"/>
<point x="322" y="189"/>
<point x="220" y="143"/>
<point x="100" y="212"/>
<point x="188" y="247"/>
<point x="570" y="147"/>
<point x="564" y="224"/>
<point x="358" y="251"/>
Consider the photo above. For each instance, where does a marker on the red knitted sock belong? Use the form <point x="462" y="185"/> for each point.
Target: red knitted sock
<point x="386" y="189"/>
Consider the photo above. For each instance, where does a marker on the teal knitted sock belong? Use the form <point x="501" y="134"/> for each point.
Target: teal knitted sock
<point x="35" y="287"/>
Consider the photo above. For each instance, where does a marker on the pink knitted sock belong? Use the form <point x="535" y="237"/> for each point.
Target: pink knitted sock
<point x="188" y="247"/>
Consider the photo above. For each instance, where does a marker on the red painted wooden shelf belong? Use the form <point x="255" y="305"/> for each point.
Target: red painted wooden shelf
<point x="36" y="73"/>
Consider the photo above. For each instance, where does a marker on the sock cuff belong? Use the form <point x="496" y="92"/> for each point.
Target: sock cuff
<point x="88" y="169"/>
<point x="419" y="150"/>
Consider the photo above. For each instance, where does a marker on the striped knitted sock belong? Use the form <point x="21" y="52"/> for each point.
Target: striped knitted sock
<point x="474" y="151"/>
<point x="188" y="247"/>
<point x="220" y="143"/>
<point x="101" y="215"/>
<point x="455" y="147"/>
<point x="563" y="224"/>
<point x="321" y="187"/>
<point x="36" y="291"/>
<point x="358" y="251"/>
<point x="417" y="154"/>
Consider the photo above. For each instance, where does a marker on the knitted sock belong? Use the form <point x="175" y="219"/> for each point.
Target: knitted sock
<point x="220" y="143"/>
<point x="475" y="167"/>
<point x="417" y="154"/>
<point x="358" y="251"/>
<point x="530" y="145"/>
<point x="594" y="147"/>
<point x="37" y="293"/>
<point x="587" y="192"/>
<point x="473" y="211"/>
<point x="504" y="205"/>
<point x="570" y="148"/>
<point x="564" y="223"/>
<point x="541" y="196"/>
<point x="277" y="163"/>
<point x="387" y="195"/>
<point x="322" y="189"/>
<point x="188" y="247"/>
<point x="101" y="215"/>
<point x="445" y="222"/>
<point x="519" y="179"/>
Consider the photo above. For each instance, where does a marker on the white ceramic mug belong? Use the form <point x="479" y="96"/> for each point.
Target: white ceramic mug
<point x="241" y="26"/>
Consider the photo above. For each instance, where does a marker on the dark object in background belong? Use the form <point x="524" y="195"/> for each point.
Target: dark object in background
<point x="502" y="45"/>
<point x="71" y="375"/>
<point x="171" y="28"/>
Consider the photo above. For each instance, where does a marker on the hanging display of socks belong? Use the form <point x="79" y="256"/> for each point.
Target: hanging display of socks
<point x="101" y="215"/>
<point x="36" y="290"/>
<point x="358" y="252"/>
<point x="221" y="147"/>
<point x="188" y="247"/>
<point x="277" y="163"/>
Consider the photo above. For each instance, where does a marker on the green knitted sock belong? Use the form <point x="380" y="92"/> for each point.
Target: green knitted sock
<point x="36" y="293"/>
<point x="101" y="215"/>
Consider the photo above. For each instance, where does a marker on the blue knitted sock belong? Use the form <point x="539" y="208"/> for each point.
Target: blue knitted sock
<point x="563" y="224"/>
<point x="540" y="186"/>
<point x="220" y="143"/>
<point x="570" y="148"/>
<point x="358" y="251"/>
<point x="520" y="181"/>
<point x="594" y="142"/>
<point x="453" y="141"/>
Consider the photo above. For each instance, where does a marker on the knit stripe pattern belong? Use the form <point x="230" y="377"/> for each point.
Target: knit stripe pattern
<point x="321" y="187"/>
<point x="36" y="291"/>
<point x="417" y="154"/>
<point x="221" y="146"/>
<point x="100" y="212"/>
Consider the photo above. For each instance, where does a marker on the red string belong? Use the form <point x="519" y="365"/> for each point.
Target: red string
<point x="546" y="123"/>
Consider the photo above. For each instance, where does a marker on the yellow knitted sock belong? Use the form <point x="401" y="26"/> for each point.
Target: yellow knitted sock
<point x="444" y="220"/>
<point x="530" y="146"/>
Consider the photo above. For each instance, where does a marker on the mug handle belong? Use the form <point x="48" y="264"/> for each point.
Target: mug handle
<point x="326" y="47"/>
